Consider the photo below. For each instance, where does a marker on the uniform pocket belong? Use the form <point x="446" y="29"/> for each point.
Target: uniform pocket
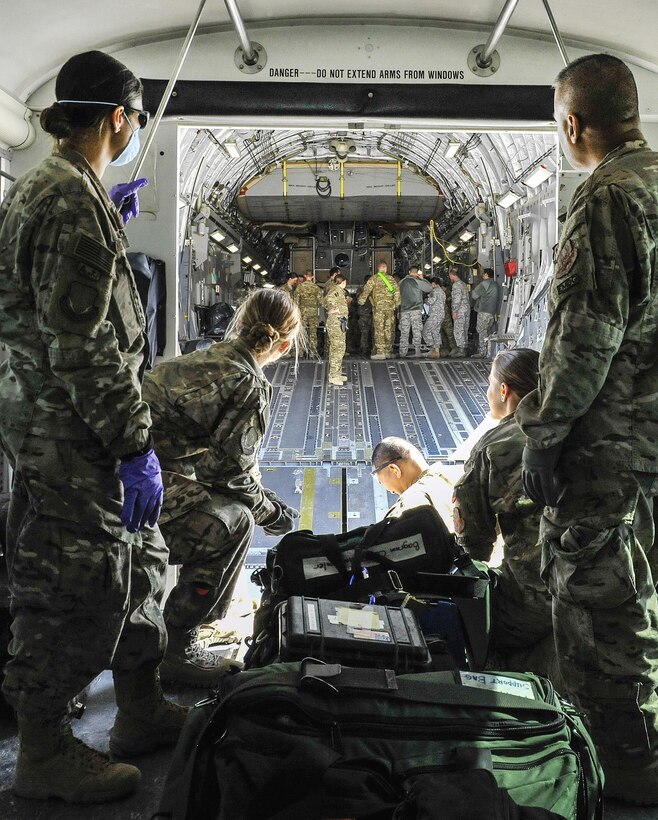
<point x="125" y="310"/>
<point x="598" y="574"/>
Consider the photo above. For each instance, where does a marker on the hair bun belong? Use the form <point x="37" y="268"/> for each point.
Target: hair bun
<point x="54" y="120"/>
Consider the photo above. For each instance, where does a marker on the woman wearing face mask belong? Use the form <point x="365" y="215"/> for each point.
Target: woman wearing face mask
<point x="85" y="557"/>
<point x="489" y="498"/>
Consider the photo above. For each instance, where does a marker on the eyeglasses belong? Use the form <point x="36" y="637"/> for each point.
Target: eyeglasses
<point x="142" y="116"/>
<point x="381" y="466"/>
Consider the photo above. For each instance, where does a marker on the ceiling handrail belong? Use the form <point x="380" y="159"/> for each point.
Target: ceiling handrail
<point x="556" y="33"/>
<point x="167" y="92"/>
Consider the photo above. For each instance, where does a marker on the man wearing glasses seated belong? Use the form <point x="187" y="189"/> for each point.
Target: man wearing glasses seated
<point x="401" y="469"/>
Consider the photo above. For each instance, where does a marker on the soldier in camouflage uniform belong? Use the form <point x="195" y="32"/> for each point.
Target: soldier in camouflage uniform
<point x="336" y="306"/>
<point x="412" y="288"/>
<point x="487" y="298"/>
<point x="210" y="410"/>
<point x="85" y="583"/>
<point x="309" y="298"/>
<point x="490" y="497"/>
<point x="384" y="295"/>
<point x="592" y="426"/>
<point x="461" y="314"/>
<point x="436" y="302"/>
<point x="290" y="285"/>
<point x="365" y="321"/>
<point x="447" y="328"/>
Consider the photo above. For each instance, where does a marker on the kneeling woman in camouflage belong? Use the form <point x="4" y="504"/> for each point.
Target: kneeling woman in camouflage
<point x="490" y="497"/>
<point x="210" y="410"/>
<point x="337" y="310"/>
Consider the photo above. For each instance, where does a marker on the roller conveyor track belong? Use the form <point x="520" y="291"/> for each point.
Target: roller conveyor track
<point x="434" y="405"/>
<point x="317" y="448"/>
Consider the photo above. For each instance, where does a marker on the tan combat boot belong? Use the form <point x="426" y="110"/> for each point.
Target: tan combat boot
<point x="435" y="353"/>
<point x="145" y="720"/>
<point x="187" y="662"/>
<point x="53" y="763"/>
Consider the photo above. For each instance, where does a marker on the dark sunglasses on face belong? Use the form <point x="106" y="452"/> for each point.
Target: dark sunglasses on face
<point x="142" y="116"/>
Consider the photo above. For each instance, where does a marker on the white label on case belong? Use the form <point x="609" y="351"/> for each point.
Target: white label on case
<point x="498" y="683"/>
<point x="311" y="618"/>
<point x="400" y="550"/>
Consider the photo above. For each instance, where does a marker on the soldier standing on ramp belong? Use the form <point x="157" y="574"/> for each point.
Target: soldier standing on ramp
<point x="309" y="298"/>
<point x="384" y="294"/>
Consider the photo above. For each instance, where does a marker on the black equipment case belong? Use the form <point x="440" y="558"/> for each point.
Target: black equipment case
<point x="351" y="633"/>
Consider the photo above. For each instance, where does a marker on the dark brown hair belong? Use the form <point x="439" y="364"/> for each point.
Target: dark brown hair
<point x="600" y="89"/>
<point x="518" y="369"/>
<point x="90" y="76"/>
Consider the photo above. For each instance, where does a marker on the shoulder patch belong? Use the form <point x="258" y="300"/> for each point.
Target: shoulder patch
<point x="91" y="253"/>
<point x="566" y="259"/>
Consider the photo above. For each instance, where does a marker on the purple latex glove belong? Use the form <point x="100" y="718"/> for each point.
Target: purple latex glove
<point x="143" y="491"/>
<point x="124" y="196"/>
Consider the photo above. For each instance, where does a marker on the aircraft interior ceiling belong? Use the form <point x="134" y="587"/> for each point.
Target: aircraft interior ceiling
<point x="485" y="164"/>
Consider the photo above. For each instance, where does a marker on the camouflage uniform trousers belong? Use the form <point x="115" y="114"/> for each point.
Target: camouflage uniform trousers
<point x="521" y="628"/>
<point x="411" y="320"/>
<point x="383" y="325"/>
<point x="211" y="543"/>
<point x="484" y="324"/>
<point x="432" y="333"/>
<point x="82" y="601"/>
<point x="336" y="346"/>
<point x="447" y="331"/>
<point x="365" y="328"/>
<point x="601" y="576"/>
<point x="310" y="322"/>
<point x="461" y="328"/>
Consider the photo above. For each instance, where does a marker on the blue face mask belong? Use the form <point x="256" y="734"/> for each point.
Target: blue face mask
<point x="132" y="148"/>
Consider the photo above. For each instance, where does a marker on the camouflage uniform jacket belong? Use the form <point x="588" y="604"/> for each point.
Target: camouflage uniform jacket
<point x="459" y="297"/>
<point x="287" y="289"/>
<point x="73" y="326"/>
<point x="308" y="296"/>
<point x="490" y="494"/>
<point x="598" y="366"/>
<point x="379" y="294"/>
<point x="436" y="301"/>
<point x="335" y="298"/>
<point x="210" y="411"/>
<point x="431" y="488"/>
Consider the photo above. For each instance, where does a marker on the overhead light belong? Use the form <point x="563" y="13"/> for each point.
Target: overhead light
<point x="256" y="266"/>
<point x="436" y="260"/>
<point x="507" y="199"/>
<point x="427" y="266"/>
<point x="451" y="248"/>
<point x="268" y="285"/>
<point x="539" y="175"/>
<point x="263" y="273"/>
<point x="232" y="248"/>
<point x="246" y="259"/>
<point x="452" y="149"/>
<point x="218" y="236"/>
<point x="232" y="148"/>
<point x="466" y="236"/>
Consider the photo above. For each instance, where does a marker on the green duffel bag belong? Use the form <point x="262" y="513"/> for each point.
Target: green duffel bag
<point x="315" y="741"/>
